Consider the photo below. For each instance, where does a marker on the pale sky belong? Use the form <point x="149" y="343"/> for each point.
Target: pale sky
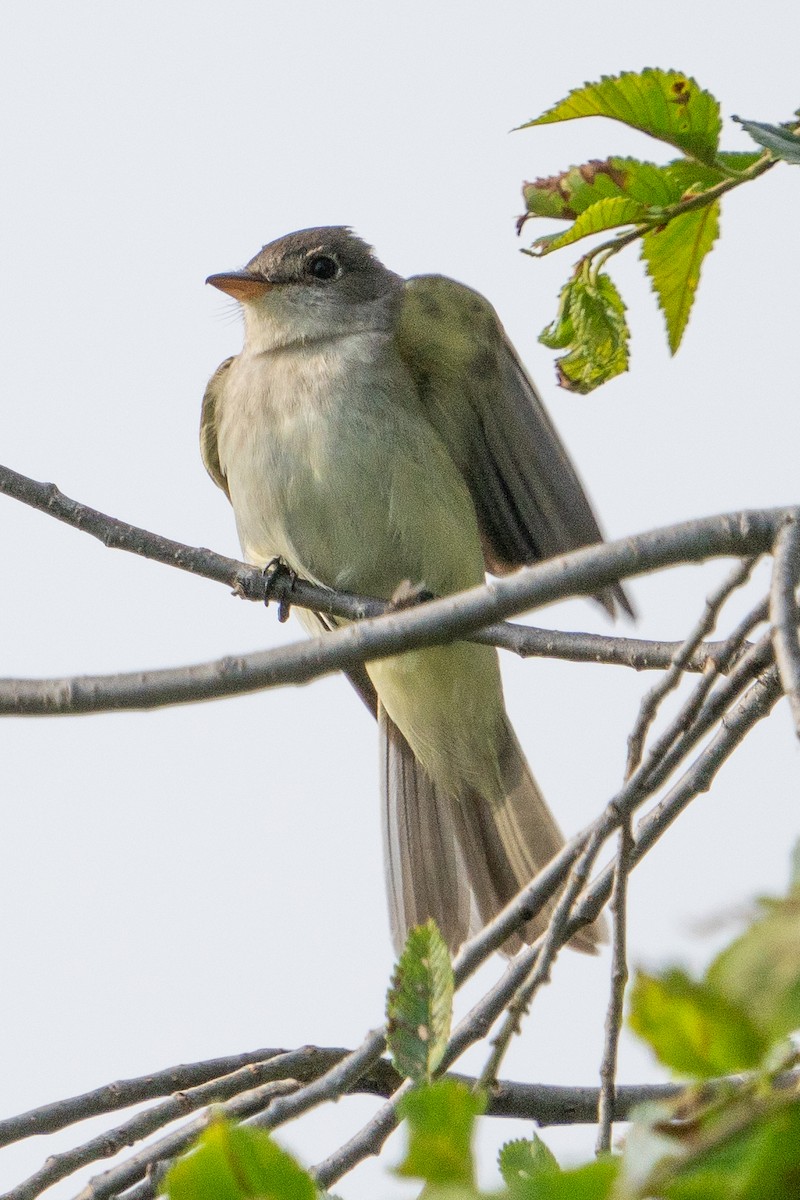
<point x="208" y="879"/>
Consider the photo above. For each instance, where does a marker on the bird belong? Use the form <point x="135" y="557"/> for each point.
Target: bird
<point x="380" y="435"/>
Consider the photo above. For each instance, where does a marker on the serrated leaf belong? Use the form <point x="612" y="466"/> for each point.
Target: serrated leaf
<point x="760" y="971"/>
<point x="692" y="1029"/>
<point x="441" y="1118"/>
<point x="419" y="1003"/>
<point x="667" y="105"/>
<point x="605" y="214"/>
<point x="591" y="323"/>
<point x="525" y="1159"/>
<point x="761" y="1162"/>
<point x="232" y="1162"/>
<point x="569" y="194"/>
<point x="674" y="256"/>
<point x="734" y="1147"/>
<point x="594" y="1181"/>
<point x="779" y="141"/>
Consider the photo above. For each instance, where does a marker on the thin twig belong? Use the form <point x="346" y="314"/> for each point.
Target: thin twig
<point x="619" y="978"/>
<point x="784" y="613"/>
<point x="551" y="943"/>
<point x="132" y="690"/>
<point x="110" y="1183"/>
<point x="671" y="678"/>
<point x="125" y="1092"/>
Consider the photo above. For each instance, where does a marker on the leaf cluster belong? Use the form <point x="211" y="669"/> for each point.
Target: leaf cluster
<point x="671" y="209"/>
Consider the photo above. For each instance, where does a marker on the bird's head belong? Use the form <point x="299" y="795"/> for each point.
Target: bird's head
<point x="311" y="285"/>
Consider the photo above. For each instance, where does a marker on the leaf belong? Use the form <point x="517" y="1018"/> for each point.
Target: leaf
<point x="419" y="1003"/>
<point x="781" y="142"/>
<point x="745" y="1146"/>
<point x="567" y="195"/>
<point x="594" y="1181"/>
<point x="525" y="1159"/>
<point x="591" y="324"/>
<point x="761" y="1162"/>
<point x="231" y="1162"/>
<point x="674" y="255"/>
<point x="692" y="1028"/>
<point x="606" y="214"/>
<point x="760" y="971"/>
<point x="667" y="105"/>
<point x="441" y="1117"/>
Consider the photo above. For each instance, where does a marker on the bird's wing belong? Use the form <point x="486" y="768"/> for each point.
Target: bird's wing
<point x="209" y="448"/>
<point x="527" y="494"/>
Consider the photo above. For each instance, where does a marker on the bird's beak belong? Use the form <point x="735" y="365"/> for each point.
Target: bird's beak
<point x="242" y="285"/>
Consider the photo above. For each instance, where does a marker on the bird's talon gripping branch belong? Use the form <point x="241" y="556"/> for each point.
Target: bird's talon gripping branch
<point x="276" y="569"/>
<point x="408" y="594"/>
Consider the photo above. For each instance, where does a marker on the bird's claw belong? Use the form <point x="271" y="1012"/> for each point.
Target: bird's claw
<point x="408" y="594"/>
<point x="277" y="569"/>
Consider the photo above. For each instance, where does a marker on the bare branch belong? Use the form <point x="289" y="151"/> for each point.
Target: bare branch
<point x="549" y="946"/>
<point x="124" y="1092"/>
<point x="619" y="977"/>
<point x="650" y="704"/>
<point x="784" y="613"/>
<point x="584" y="572"/>
<point x="110" y="1183"/>
<point x="137" y="690"/>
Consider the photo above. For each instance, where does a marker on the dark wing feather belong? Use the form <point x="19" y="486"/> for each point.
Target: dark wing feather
<point x="208" y="426"/>
<point x="529" y="500"/>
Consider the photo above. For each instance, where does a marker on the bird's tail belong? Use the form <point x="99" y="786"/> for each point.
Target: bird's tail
<point x="460" y="859"/>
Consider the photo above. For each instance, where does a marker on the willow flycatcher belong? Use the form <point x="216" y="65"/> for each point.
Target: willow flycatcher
<point x="376" y="432"/>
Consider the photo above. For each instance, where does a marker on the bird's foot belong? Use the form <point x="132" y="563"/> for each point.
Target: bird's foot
<point x="276" y="570"/>
<point x="408" y="594"/>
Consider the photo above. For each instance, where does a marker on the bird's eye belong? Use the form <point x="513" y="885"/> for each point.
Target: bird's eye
<point x="323" y="267"/>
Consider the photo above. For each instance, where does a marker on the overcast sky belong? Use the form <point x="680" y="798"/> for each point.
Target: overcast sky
<point x="208" y="879"/>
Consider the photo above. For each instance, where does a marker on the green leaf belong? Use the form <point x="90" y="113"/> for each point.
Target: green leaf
<point x="674" y="254"/>
<point x="739" y="1146"/>
<point x="419" y="1003"/>
<point x="760" y="971"/>
<point x="760" y="1162"/>
<point x="524" y="1159"/>
<point x="569" y="194"/>
<point x="591" y="324"/>
<point x="594" y="1181"/>
<point x="693" y="1029"/>
<point x="606" y="214"/>
<point x="231" y="1162"/>
<point x="667" y="105"/>
<point x="778" y="140"/>
<point x="441" y="1117"/>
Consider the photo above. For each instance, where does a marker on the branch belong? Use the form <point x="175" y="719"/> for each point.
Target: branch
<point x="784" y="614"/>
<point x="229" y="676"/>
<point x="583" y="572"/>
<point x="124" y="1092"/>
<point x="606" y="1103"/>
<point x="649" y="707"/>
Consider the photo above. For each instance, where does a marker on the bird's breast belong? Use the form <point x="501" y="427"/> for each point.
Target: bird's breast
<point x="331" y="465"/>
